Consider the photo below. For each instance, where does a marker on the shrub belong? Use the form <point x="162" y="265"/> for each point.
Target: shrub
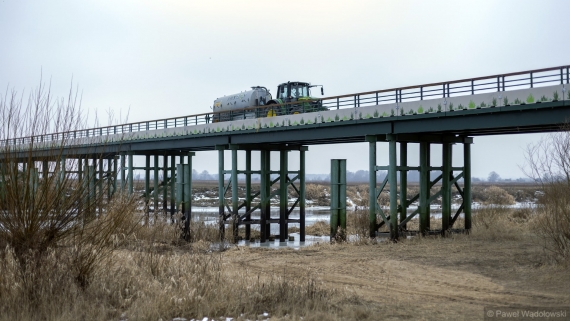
<point x="497" y="196"/>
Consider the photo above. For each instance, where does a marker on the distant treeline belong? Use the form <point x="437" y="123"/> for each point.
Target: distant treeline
<point x="360" y="176"/>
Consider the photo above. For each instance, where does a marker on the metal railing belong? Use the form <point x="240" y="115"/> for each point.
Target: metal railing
<point x="494" y="83"/>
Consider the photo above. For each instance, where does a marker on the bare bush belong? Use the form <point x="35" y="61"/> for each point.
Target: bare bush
<point x="548" y="163"/>
<point x="498" y="223"/>
<point x="497" y="196"/>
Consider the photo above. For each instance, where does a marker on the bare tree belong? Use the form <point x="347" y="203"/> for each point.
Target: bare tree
<point x="43" y="204"/>
<point x="493" y="177"/>
<point x="548" y="163"/>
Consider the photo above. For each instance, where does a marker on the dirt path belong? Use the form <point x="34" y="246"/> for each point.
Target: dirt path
<point x="426" y="279"/>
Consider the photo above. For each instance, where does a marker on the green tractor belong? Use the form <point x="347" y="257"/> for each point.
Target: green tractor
<point x="291" y="92"/>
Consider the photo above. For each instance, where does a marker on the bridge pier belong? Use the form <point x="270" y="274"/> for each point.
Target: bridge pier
<point x="397" y="224"/>
<point x="234" y="217"/>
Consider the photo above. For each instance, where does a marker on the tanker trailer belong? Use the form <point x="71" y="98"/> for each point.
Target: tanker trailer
<point x="232" y="107"/>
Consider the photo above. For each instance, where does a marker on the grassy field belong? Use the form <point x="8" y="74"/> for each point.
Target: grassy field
<point x="153" y="275"/>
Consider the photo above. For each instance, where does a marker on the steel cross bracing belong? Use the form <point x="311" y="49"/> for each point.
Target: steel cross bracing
<point x="397" y="223"/>
<point x="235" y="213"/>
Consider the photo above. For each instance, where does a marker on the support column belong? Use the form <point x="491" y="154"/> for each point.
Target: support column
<point x="424" y="187"/>
<point x="221" y="197"/>
<point x="446" y="188"/>
<point x="123" y="169"/>
<point x="79" y="169"/>
<point x="165" y="183"/>
<point x="403" y="182"/>
<point x="147" y="179"/>
<point x="188" y="196"/>
<point x="91" y="186"/>
<point x="338" y="199"/>
<point x="264" y="196"/>
<point x="467" y="185"/>
<point x="392" y="180"/>
<point x="268" y="194"/>
<point x="180" y="187"/>
<point x="155" y="184"/>
<point x="172" y="188"/>
<point x="372" y="185"/>
<point x="115" y="163"/>
<point x="147" y="188"/>
<point x="283" y="196"/>
<point x="100" y="185"/>
<point x="109" y="179"/>
<point x="235" y="198"/>
<point x="248" y="193"/>
<point x="45" y="169"/>
<point x="342" y="197"/>
<point x="302" y="195"/>
<point x="334" y="199"/>
<point x="130" y="169"/>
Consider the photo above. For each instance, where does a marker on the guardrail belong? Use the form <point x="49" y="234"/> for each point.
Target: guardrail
<point x="494" y="83"/>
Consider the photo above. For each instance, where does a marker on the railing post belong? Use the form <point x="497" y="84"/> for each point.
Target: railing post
<point x="498" y="83"/>
<point x="421" y="93"/>
<point x="444" y="91"/>
<point x="337" y="103"/>
<point x="376" y="98"/>
<point x="472" y="87"/>
<point x="531" y="81"/>
<point x="503" y="83"/>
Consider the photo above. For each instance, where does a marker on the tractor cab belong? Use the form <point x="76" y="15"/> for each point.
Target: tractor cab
<point x="292" y="91"/>
<point x="288" y="94"/>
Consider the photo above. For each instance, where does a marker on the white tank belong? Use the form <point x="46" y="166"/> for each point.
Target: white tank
<point x="257" y="96"/>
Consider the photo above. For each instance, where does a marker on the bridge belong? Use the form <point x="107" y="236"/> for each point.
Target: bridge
<point x="445" y="113"/>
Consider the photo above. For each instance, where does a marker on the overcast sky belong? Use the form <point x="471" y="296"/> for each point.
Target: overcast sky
<point x="163" y="59"/>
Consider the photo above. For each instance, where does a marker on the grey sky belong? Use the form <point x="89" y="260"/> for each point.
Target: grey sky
<point x="173" y="58"/>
